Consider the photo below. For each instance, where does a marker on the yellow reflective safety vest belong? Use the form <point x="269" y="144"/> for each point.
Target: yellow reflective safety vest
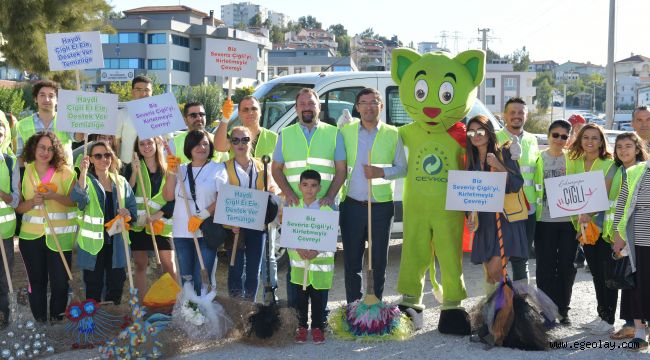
<point x="234" y="180"/>
<point x="527" y="161"/>
<point x="7" y="212"/>
<point x="155" y="202"/>
<point x="63" y="218"/>
<point x="25" y="127"/>
<point x="91" y="219"/>
<point x="539" y="184"/>
<point x="317" y="155"/>
<point x="614" y="191"/>
<point x="179" y="144"/>
<point x="381" y="155"/>
<point x="634" y="176"/>
<point x="321" y="268"/>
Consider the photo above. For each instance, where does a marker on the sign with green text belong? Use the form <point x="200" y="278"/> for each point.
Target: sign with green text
<point x="241" y="207"/>
<point x="87" y="112"/>
<point x="309" y="229"/>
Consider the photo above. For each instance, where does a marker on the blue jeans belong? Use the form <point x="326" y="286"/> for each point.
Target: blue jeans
<point x="272" y="263"/>
<point x="188" y="261"/>
<point x="244" y="283"/>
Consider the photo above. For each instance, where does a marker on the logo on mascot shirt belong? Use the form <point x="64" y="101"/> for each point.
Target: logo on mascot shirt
<point x="432" y="163"/>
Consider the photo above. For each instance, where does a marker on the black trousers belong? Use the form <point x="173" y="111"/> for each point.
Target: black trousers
<point x="354" y="233"/>
<point x="114" y="277"/>
<point x="317" y="298"/>
<point x="599" y="258"/>
<point x="4" y="286"/>
<point x="555" y="249"/>
<point x="43" y="264"/>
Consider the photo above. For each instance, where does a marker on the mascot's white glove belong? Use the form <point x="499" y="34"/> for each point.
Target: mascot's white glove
<point x="515" y="149"/>
<point x="344" y="119"/>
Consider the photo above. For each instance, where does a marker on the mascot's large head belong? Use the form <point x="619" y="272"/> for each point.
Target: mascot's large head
<point x="435" y="89"/>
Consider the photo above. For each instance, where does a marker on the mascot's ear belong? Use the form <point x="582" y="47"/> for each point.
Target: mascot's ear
<point x="474" y="61"/>
<point x="402" y="59"/>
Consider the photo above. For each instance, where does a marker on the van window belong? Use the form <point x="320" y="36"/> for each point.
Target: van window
<point x="275" y="100"/>
<point x="334" y="101"/>
<point x="395" y="113"/>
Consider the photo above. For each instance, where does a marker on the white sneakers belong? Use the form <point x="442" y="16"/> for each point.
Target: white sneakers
<point x="602" y="328"/>
<point x="591" y="324"/>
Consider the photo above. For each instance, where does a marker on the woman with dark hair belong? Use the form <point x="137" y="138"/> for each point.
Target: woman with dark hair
<point x="589" y="153"/>
<point x="104" y="197"/>
<point x="201" y="178"/>
<point x="629" y="150"/>
<point x="46" y="186"/>
<point x="484" y="154"/>
<point x="78" y="153"/>
<point x="153" y="167"/>
<point x="555" y="238"/>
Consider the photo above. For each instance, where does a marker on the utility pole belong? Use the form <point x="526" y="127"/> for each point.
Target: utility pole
<point x="564" y="104"/>
<point x="610" y="93"/>
<point x="593" y="99"/>
<point x="484" y="47"/>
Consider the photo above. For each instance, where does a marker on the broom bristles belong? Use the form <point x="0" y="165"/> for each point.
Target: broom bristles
<point x="504" y="314"/>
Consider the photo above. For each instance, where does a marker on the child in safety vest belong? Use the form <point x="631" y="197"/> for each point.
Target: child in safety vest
<point x="320" y="266"/>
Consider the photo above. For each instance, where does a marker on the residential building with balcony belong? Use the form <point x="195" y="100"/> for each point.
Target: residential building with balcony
<point x="571" y="70"/>
<point x="295" y="61"/>
<point x="369" y="54"/>
<point x="310" y="38"/>
<point x="429" y="46"/>
<point x="242" y="13"/>
<point x="541" y="66"/>
<point x="502" y="83"/>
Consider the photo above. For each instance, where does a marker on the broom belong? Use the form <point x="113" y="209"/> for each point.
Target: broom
<point x="371" y="318"/>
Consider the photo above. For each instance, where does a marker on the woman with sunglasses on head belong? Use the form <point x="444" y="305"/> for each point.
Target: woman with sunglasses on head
<point x="153" y="168"/>
<point x="629" y="150"/>
<point x="46" y="184"/>
<point x="201" y="178"/>
<point x="589" y="153"/>
<point x="484" y="154"/>
<point x="105" y="199"/>
<point x="245" y="171"/>
<point x="555" y="238"/>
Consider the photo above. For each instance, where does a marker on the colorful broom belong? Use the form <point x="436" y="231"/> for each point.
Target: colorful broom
<point x="370" y="318"/>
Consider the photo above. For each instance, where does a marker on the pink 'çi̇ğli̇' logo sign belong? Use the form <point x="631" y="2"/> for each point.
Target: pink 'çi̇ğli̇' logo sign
<point x="574" y="196"/>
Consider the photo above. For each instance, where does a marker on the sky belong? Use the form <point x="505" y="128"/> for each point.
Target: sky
<point x="559" y="30"/>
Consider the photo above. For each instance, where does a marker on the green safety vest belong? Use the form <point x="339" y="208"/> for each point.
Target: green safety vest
<point x="266" y="141"/>
<point x="91" y="219"/>
<point x="527" y="161"/>
<point x="155" y="203"/>
<point x="381" y="155"/>
<point x="7" y="213"/>
<point x="63" y="218"/>
<point x="321" y="268"/>
<point x="578" y="167"/>
<point x="26" y="129"/>
<point x="614" y="191"/>
<point x="539" y="184"/>
<point x="4" y="146"/>
<point x="179" y="144"/>
<point x="318" y="155"/>
<point x="634" y="175"/>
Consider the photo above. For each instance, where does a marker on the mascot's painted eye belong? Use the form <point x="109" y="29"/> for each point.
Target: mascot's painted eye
<point x="421" y="90"/>
<point x="446" y="92"/>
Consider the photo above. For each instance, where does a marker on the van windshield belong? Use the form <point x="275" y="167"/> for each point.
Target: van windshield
<point x="275" y="100"/>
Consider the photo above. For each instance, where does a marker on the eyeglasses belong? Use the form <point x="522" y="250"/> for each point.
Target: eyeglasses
<point x="197" y="114"/>
<point x="561" y="136"/>
<point x="249" y="110"/>
<point x="106" y="156"/>
<point x="472" y="133"/>
<point x="236" y="141"/>
<point x="370" y="103"/>
<point x="43" y="148"/>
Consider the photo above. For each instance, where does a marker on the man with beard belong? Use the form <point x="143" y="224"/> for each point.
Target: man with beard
<point x="194" y="114"/>
<point x="524" y="148"/>
<point x="641" y="123"/>
<point x="308" y="144"/>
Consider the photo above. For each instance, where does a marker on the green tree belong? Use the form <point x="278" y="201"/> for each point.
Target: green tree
<point x="123" y="89"/>
<point x="520" y="59"/>
<point x="338" y="30"/>
<point x="546" y="75"/>
<point x="267" y="23"/>
<point x="240" y="26"/>
<point x="241" y="92"/>
<point x="343" y="47"/>
<point x="309" y="22"/>
<point x="491" y="55"/>
<point x="255" y="21"/>
<point x="276" y="35"/>
<point x="210" y="95"/>
<point x="544" y="96"/>
<point x="367" y="34"/>
<point x="26" y="22"/>
<point x="11" y="101"/>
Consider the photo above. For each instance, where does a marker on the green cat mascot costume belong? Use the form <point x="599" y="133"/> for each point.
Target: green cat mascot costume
<point x="437" y="92"/>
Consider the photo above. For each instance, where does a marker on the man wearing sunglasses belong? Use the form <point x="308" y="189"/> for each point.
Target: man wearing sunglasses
<point x="194" y="114"/>
<point x="515" y="115"/>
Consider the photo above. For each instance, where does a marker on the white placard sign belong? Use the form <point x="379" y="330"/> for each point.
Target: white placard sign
<point x="576" y="194"/>
<point x="231" y="58"/>
<point x="87" y="112"/>
<point x="70" y="51"/>
<point x="242" y="207"/>
<point x="155" y="115"/>
<point x="309" y="229"/>
<point x="475" y="191"/>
